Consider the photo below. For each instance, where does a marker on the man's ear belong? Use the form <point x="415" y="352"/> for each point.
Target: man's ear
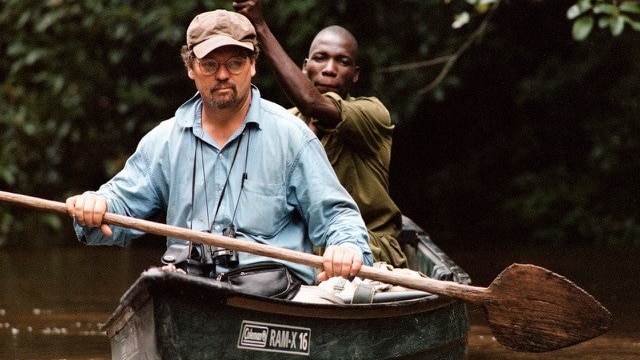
<point x="304" y="66"/>
<point x="190" y="72"/>
<point x="356" y="74"/>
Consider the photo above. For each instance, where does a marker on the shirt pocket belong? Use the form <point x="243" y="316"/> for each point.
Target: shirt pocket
<point x="262" y="210"/>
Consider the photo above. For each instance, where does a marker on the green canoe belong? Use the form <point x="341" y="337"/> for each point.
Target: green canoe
<point x="168" y="315"/>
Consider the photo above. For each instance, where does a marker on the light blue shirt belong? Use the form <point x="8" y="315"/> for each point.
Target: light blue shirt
<point x="290" y="198"/>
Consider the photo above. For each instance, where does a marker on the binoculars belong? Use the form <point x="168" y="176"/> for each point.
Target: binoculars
<point x="202" y="259"/>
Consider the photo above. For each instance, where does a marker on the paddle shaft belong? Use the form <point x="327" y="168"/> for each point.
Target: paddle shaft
<point x="528" y="308"/>
<point x="467" y="293"/>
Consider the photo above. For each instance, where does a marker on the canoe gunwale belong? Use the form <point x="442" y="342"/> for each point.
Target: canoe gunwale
<point x="156" y="282"/>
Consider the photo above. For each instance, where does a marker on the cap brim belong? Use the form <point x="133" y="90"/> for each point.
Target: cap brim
<point x="201" y="50"/>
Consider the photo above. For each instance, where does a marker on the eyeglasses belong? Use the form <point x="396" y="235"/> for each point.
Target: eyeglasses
<point x="234" y="65"/>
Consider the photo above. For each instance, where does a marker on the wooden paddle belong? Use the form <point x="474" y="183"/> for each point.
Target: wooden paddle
<point x="528" y="308"/>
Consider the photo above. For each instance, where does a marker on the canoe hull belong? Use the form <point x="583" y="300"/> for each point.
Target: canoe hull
<point x="177" y="318"/>
<point x="167" y="315"/>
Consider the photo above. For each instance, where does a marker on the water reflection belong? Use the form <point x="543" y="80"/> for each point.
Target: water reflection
<point x="54" y="301"/>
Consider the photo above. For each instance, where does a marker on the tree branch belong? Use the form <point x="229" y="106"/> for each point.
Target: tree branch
<point x="476" y="35"/>
<point x="449" y="60"/>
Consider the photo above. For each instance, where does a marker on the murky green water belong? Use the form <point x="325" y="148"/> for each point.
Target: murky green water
<point x="53" y="301"/>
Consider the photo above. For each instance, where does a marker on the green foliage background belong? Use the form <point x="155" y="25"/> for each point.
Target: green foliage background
<point x="531" y="137"/>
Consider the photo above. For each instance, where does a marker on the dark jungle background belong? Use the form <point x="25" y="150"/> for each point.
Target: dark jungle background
<point x="530" y="137"/>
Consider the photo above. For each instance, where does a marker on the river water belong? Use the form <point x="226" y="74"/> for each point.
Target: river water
<point x="53" y="301"/>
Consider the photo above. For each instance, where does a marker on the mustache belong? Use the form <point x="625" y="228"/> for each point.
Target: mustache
<point x="223" y="86"/>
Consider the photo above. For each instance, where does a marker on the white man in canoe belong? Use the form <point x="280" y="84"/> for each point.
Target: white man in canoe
<point x="230" y="162"/>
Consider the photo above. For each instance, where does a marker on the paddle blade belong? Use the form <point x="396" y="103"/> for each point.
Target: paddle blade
<point x="532" y="309"/>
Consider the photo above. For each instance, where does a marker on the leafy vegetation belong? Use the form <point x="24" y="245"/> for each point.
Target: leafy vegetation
<point x="612" y="14"/>
<point x="518" y="123"/>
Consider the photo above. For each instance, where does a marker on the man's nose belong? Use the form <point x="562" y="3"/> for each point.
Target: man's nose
<point x="222" y="73"/>
<point x="330" y="68"/>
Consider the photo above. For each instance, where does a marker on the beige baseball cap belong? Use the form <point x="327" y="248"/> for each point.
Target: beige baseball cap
<point x="213" y="29"/>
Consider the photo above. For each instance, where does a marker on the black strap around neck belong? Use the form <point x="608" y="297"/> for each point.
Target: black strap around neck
<point x="193" y="179"/>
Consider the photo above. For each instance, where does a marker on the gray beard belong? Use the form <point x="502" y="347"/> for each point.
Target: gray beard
<point x="222" y="104"/>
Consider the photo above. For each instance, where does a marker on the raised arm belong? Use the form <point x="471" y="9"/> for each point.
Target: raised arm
<point x="297" y="86"/>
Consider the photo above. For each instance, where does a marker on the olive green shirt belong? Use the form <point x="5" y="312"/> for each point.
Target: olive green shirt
<point x="359" y="149"/>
